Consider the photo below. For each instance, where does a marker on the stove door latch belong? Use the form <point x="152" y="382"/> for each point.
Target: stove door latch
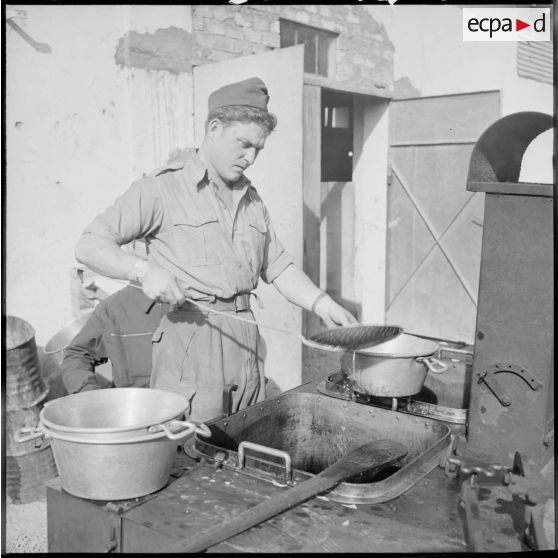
<point x="488" y="377"/>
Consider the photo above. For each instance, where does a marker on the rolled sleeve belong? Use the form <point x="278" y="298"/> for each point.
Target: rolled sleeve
<point x="85" y="352"/>
<point x="135" y="214"/>
<point x="276" y="258"/>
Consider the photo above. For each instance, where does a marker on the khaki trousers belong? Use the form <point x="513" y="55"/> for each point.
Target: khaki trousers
<point x="197" y="353"/>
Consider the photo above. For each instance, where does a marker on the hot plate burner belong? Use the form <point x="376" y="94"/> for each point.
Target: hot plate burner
<point x="424" y="404"/>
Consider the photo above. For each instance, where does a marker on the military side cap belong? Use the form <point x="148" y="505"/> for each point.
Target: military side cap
<point x="249" y="92"/>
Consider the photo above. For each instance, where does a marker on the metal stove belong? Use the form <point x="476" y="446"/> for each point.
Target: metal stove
<point x="466" y="431"/>
<point x="424" y="404"/>
<point x="442" y="397"/>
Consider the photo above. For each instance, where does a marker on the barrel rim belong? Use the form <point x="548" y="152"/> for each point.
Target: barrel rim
<point x="29" y="327"/>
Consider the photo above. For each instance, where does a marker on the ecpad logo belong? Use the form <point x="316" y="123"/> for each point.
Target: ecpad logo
<point x="506" y="24"/>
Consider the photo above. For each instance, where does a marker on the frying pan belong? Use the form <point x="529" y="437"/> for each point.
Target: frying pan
<point x="343" y="338"/>
<point x="338" y="339"/>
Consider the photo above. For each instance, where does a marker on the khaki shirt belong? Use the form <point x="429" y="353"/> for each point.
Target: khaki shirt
<point x="189" y="231"/>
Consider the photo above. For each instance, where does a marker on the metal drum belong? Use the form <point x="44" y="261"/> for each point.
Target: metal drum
<point x="26" y="475"/>
<point x="24" y="385"/>
<point x="23" y="418"/>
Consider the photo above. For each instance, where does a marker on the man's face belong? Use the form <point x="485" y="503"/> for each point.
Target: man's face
<point x="235" y="147"/>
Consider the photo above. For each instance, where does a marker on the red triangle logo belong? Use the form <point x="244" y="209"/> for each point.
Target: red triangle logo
<point x="519" y="25"/>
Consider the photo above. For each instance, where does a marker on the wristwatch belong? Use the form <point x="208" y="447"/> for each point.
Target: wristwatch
<point x="316" y="300"/>
<point x="140" y="270"/>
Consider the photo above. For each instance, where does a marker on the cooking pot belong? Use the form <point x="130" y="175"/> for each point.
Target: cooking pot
<point x="114" y="444"/>
<point x="60" y="340"/>
<point x="396" y="368"/>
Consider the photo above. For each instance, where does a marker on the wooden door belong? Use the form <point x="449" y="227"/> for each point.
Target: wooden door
<point x="435" y="224"/>
<point x="277" y="175"/>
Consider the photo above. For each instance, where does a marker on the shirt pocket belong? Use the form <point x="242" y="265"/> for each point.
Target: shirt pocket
<point x="197" y="240"/>
<point x="257" y="230"/>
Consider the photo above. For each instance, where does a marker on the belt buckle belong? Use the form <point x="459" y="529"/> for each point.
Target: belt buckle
<point x="236" y="299"/>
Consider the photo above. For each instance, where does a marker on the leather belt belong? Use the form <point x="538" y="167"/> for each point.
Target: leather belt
<point x="238" y="303"/>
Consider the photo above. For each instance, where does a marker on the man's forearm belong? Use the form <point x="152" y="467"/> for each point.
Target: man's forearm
<point x="85" y="351"/>
<point x="297" y="287"/>
<point x="105" y="256"/>
<point x="78" y="372"/>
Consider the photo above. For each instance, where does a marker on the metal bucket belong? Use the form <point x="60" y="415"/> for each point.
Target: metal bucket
<point x="26" y="475"/>
<point x="55" y="351"/>
<point x="114" y="444"/>
<point x="59" y="341"/>
<point x="23" y="418"/>
<point x="396" y="368"/>
<point x="24" y="385"/>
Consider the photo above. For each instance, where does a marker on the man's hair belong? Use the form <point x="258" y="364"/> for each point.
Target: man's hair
<point x="241" y="113"/>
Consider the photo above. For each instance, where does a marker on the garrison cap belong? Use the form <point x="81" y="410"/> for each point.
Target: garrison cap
<point x="249" y="92"/>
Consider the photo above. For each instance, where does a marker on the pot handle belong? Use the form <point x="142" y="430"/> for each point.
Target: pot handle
<point x="187" y="427"/>
<point x="26" y="434"/>
<point x="433" y="364"/>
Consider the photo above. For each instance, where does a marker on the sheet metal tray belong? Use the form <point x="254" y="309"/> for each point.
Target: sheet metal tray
<point x="316" y="430"/>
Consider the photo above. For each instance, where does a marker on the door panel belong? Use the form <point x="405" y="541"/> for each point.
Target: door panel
<point x="443" y="118"/>
<point x="409" y="240"/>
<point x="277" y="175"/>
<point x="434" y="223"/>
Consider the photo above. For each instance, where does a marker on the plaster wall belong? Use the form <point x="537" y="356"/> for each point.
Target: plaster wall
<point x="430" y="52"/>
<point x="371" y="207"/>
<point x="79" y="129"/>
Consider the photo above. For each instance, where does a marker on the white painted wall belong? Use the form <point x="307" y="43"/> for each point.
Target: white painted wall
<point x="429" y="50"/>
<point x="79" y="129"/>
<point x="370" y="177"/>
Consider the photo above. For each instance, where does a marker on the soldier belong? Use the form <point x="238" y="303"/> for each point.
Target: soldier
<point x="210" y="239"/>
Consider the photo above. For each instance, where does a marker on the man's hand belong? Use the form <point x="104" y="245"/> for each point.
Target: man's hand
<point x="159" y="284"/>
<point x="332" y="314"/>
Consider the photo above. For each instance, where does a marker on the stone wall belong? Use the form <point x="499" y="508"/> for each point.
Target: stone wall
<point x="363" y="55"/>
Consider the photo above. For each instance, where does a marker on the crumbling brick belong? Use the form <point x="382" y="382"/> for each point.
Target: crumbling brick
<point x="362" y="55"/>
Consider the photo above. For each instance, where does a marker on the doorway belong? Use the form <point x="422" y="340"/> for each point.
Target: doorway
<point x="343" y="134"/>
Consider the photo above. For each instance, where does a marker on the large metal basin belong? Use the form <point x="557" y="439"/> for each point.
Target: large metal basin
<point x="315" y="430"/>
<point x="113" y="444"/>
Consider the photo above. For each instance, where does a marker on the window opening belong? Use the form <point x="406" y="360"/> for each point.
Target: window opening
<point x="318" y="45"/>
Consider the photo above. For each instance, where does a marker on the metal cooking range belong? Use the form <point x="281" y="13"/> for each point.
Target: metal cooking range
<point x="466" y="432"/>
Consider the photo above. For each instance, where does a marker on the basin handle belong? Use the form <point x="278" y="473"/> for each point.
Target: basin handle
<point x="243" y="446"/>
<point x="26" y="434"/>
<point x="186" y="427"/>
<point x="433" y="364"/>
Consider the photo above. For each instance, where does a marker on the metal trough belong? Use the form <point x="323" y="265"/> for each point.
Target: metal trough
<point x="307" y="432"/>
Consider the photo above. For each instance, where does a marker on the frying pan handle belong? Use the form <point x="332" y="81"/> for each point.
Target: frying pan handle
<point x="433" y="364"/>
<point x="26" y="434"/>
